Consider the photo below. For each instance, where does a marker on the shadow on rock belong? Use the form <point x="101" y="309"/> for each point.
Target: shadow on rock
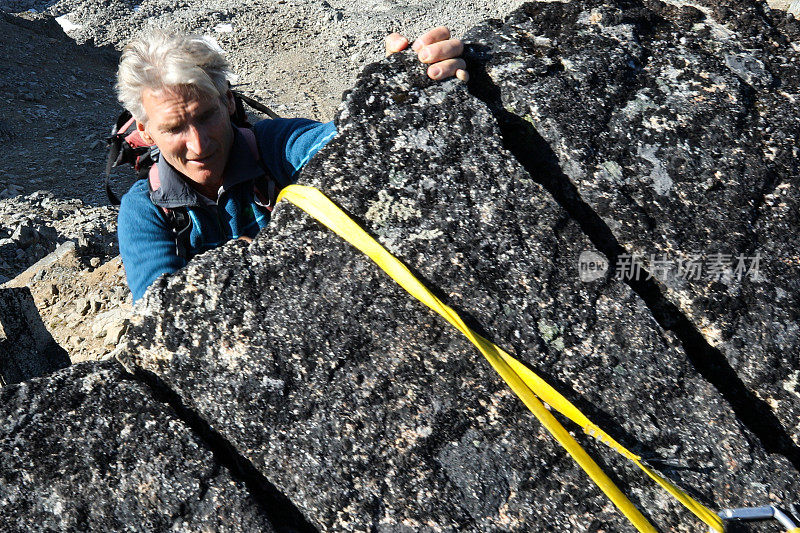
<point x="27" y="349"/>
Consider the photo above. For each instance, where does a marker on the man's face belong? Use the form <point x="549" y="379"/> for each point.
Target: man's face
<point x="193" y="133"/>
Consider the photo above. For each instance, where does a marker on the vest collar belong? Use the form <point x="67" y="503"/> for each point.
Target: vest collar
<point x="175" y="190"/>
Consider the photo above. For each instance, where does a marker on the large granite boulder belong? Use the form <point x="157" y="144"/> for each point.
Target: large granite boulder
<point x="675" y="131"/>
<point x="89" y="448"/>
<point x="368" y="412"/>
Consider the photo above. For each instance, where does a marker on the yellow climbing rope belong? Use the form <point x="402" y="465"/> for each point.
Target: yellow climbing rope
<point x="526" y="384"/>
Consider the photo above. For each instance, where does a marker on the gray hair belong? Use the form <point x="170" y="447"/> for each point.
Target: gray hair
<point x="159" y="60"/>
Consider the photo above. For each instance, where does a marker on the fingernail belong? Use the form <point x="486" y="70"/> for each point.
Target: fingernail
<point x="424" y="55"/>
<point x="435" y="71"/>
<point x="415" y="46"/>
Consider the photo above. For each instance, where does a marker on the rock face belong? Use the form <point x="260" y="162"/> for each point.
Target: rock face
<point x="675" y="131"/>
<point x="91" y="449"/>
<point x="370" y="413"/>
<point x="86" y="311"/>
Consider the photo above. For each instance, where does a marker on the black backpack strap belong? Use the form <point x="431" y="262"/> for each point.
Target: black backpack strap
<point x="239" y="116"/>
<point x="266" y="187"/>
<point x="181" y="225"/>
<point x="145" y="161"/>
<point x="255" y="104"/>
<point x="121" y="152"/>
<point x="112" y="156"/>
<point x="177" y="218"/>
<point x="115" y="152"/>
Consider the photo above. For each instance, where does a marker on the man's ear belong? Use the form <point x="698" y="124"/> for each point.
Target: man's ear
<point x="143" y="133"/>
<point x="230" y="102"/>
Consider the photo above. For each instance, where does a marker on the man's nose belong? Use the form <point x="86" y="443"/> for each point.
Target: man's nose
<point x="197" y="140"/>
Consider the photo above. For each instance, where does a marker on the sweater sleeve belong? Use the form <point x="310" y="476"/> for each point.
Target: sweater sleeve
<point x="145" y="241"/>
<point x="287" y="144"/>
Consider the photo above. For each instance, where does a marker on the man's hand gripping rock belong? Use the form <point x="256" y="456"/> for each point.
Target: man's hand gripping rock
<point x="434" y="48"/>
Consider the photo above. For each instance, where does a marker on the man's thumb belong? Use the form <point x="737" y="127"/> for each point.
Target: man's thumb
<point x="394" y="43"/>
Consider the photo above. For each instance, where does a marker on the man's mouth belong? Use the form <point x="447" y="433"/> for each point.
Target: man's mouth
<point x="201" y="160"/>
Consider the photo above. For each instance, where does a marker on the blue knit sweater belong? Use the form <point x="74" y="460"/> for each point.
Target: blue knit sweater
<point x="146" y="240"/>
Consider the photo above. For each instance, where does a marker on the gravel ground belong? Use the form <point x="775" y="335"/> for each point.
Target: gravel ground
<point x="58" y="106"/>
<point x="298" y="56"/>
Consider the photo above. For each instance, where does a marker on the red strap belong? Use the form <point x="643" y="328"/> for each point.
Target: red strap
<point x="135" y="140"/>
<point x="155" y="183"/>
<point x="152" y="177"/>
<point x="127" y="125"/>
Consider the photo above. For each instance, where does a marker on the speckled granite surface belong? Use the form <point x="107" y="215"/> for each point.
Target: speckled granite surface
<point x="368" y="412"/>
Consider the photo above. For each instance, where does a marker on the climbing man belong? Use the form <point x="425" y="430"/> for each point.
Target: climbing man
<point x="213" y="181"/>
